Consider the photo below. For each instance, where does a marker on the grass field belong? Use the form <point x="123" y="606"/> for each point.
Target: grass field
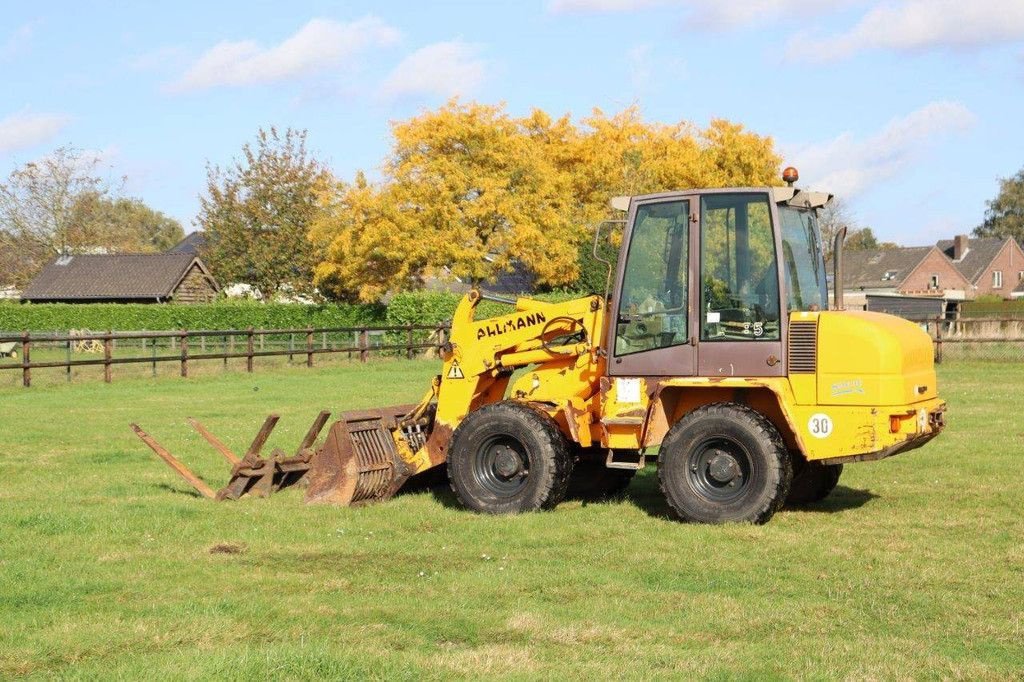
<point x="111" y="567"/>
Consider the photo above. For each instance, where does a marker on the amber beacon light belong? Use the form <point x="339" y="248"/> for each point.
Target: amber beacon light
<point x="790" y="175"/>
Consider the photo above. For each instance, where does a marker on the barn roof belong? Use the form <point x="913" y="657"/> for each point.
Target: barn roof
<point x="112" y="277"/>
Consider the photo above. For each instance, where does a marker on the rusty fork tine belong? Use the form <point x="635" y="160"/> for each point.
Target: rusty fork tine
<point x="261" y="438"/>
<point x="314" y="430"/>
<point x="182" y="470"/>
<point x="231" y="457"/>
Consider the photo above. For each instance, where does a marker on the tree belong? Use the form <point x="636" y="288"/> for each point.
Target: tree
<point x="258" y="211"/>
<point x="831" y="219"/>
<point x="124" y="224"/>
<point x="37" y="210"/>
<point x="1004" y="215"/>
<point x="468" y="188"/>
<point x="864" y="239"/>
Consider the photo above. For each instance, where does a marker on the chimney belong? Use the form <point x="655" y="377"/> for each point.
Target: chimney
<point x="959" y="246"/>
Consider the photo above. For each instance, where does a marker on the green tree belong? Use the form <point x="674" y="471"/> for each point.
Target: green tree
<point x="864" y="239"/>
<point x="257" y="212"/>
<point x="1004" y="215"/>
<point x="125" y="224"/>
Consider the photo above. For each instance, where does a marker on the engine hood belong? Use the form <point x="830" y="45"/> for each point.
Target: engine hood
<point x="867" y="358"/>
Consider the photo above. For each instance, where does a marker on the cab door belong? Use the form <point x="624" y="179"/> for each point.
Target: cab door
<point x="652" y="311"/>
<point x="740" y="328"/>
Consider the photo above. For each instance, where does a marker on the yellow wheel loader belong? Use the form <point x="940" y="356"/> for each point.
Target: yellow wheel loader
<point x="713" y="349"/>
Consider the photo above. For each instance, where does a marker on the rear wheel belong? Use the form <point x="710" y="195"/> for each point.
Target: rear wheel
<point x="813" y="482"/>
<point x="723" y="463"/>
<point x="508" y="458"/>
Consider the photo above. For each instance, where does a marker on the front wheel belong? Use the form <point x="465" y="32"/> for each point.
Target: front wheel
<point x="508" y="458"/>
<point x="724" y="463"/>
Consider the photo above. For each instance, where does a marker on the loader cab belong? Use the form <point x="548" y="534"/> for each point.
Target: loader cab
<point x="706" y="280"/>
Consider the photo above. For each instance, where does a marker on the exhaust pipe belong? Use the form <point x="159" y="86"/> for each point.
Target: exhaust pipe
<point x="837" y="270"/>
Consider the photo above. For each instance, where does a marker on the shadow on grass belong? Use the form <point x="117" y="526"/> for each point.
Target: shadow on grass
<point x="841" y="499"/>
<point x="644" y="493"/>
<point x="178" y="490"/>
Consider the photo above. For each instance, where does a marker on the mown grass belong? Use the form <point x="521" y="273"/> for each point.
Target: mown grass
<point x="111" y="567"/>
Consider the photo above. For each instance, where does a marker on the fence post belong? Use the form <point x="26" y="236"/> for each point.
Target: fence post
<point x="364" y="344"/>
<point x="291" y="347"/>
<point x="108" y="348"/>
<point x="67" y="355"/>
<point x="309" y="347"/>
<point x="248" y="353"/>
<point x="408" y="341"/>
<point x="154" y="340"/>
<point x="184" y="353"/>
<point x="224" y="348"/>
<point x="26" y="360"/>
<point x="442" y="339"/>
<point x="938" y="340"/>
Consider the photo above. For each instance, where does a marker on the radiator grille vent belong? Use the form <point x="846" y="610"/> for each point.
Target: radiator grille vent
<point x="803" y="343"/>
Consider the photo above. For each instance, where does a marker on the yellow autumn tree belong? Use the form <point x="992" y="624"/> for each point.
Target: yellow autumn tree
<point x="467" y="189"/>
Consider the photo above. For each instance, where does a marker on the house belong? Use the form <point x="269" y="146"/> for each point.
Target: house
<point x="907" y="271"/>
<point x="123" y="278"/>
<point x="993" y="265"/>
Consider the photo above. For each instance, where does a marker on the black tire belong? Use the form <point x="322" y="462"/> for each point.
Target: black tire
<point x="592" y="480"/>
<point x="508" y="458"/>
<point x="812" y="481"/>
<point x="724" y="463"/>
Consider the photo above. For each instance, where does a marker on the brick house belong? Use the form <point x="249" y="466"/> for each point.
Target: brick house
<point x="908" y="271"/>
<point x="123" y="278"/>
<point x="992" y="265"/>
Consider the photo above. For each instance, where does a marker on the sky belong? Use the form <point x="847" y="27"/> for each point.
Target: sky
<point x="909" y="110"/>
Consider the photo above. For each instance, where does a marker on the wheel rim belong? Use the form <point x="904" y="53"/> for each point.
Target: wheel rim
<point x="719" y="469"/>
<point x="501" y="465"/>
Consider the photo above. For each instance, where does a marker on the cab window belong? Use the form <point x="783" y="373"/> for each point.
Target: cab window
<point x="653" y="305"/>
<point x="739" y="272"/>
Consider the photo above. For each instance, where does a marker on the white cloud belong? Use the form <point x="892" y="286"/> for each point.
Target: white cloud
<point x="319" y="45"/>
<point x="915" y="25"/>
<point x="722" y="15"/>
<point x="22" y="130"/>
<point x="444" y="69"/>
<point x="715" y="15"/>
<point x="847" y="165"/>
<point x="17" y="41"/>
<point x="595" y="6"/>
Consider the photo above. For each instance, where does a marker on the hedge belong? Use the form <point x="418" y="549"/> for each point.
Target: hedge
<point x="992" y="308"/>
<point x="417" y="307"/>
<point x="158" y="317"/>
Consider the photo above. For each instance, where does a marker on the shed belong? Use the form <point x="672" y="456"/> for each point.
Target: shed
<point x="123" y="278"/>
<point x="909" y="307"/>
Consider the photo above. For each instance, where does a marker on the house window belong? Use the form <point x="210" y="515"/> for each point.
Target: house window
<point x="889" y="275"/>
<point x="933" y="283"/>
<point x="1020" y="276"/>
<point x="997" y="279"/>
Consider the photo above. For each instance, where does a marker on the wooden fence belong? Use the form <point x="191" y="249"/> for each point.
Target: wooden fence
<point x="185" y="347"/>
<point x="993" y="339"/>
<point x="982" y="338"/>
